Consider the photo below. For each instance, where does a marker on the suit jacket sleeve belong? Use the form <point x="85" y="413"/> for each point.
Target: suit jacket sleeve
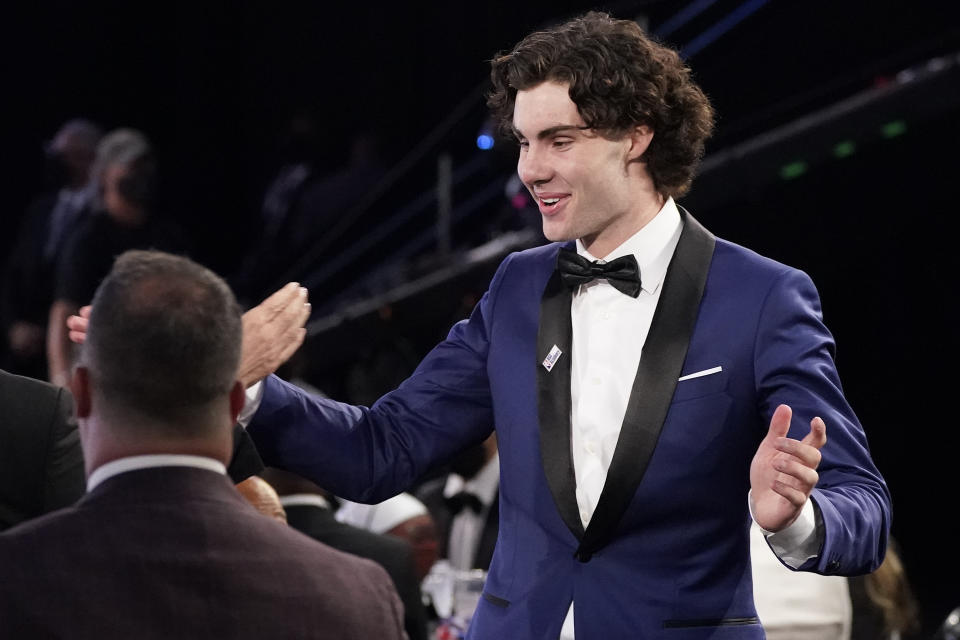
<point x="64" y="479"/>
<point x="794" y="360"/>
<point x="369" y="454"/>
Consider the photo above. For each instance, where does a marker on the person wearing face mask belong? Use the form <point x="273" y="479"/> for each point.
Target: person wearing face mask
<point x="125" y="217"/>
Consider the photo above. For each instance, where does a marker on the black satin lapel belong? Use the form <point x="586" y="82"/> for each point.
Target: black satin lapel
<point x="553" y="398"/>
<point x="488" y="537"/>
<point x="663" y="354"/>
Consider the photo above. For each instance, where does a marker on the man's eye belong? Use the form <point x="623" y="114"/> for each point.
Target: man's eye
<point x="562" y="143"/>
<point x="523" y="144"/>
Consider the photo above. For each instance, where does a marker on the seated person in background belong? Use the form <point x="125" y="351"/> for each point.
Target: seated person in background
<point x="402" y="516"/>
<point x="162" y="545"/>
<point x="263" y="497"/>
<point x="796" y="605"/>
<point x="310" y="510"/>
<point x="465" y="506"/>
<point x="41" y="463"/>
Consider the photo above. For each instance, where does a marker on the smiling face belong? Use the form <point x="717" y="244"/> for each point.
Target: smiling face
<point x="586" y="185"/>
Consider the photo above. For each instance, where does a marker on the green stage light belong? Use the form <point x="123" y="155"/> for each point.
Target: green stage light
<point x="844" y="149"/>
<point x="894" y="129"/>
<point x="793" y="170"/>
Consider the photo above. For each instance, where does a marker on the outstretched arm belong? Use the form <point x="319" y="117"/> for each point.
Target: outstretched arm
<point x="272" y="332"/>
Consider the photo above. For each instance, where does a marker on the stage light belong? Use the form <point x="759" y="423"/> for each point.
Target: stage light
<point x="844" y="148"/>
<point x="485" y="141"/>
<point x="793" y="170"/>
<point x="894" y="129"/>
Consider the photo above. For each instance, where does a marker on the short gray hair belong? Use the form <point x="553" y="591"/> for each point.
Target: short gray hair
<point x="123" y="146"/>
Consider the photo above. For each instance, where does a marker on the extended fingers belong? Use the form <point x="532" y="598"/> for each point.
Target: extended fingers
<point x="280" y="299"/>
<point x="780" y="421"/>
<point x="297" y="310"/>
<point x="77" y="323"/>
<point x="807" y="454"/>
<point x="795" y="473"/>
<point x="794" y="496"/>
<point x="818" y="434"/>
<point x="78" y="326"/>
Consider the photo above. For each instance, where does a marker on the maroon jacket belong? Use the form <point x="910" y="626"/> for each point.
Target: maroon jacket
<point x="176" y="552"/>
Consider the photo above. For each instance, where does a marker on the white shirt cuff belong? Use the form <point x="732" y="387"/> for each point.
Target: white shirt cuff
<point x="797" y="543"/>
<point x="254" y="394"/>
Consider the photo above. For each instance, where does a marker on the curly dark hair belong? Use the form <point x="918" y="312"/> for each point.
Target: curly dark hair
<point x="619" y="78"/>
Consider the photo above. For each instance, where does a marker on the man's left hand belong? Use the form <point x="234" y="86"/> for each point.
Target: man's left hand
<point x="784" y="471"/>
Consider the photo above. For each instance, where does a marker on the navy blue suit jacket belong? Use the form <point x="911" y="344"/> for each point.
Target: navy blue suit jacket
<point x="666" y="554"/>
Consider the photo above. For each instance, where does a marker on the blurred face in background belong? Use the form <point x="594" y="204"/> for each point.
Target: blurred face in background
<point x="116" y="203"/>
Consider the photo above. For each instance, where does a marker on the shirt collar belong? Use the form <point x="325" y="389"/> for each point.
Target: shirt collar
<point x="652" y="246"/>
<point x="484" y="485"/>
<point x="305" y="500"/>
<point x="133" y="463"/>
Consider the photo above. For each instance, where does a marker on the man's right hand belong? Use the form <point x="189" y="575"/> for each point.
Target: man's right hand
<point x="272" y="332"/>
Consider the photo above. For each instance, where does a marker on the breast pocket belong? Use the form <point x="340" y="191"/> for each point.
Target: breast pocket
<point x="700" y="382"/>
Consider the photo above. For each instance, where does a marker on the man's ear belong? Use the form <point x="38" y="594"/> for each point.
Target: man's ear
<point x="640" y="139"/>
<point x="80" y="387"/>
<point x="237" y="398"/>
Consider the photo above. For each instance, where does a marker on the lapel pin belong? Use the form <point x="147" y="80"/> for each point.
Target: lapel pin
<point x="552" y="358"/>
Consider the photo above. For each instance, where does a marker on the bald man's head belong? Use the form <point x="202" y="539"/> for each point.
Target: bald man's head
<point x="262" y="496"/>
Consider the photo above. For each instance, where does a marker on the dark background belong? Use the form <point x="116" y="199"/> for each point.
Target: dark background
<point x="213" y="84"/>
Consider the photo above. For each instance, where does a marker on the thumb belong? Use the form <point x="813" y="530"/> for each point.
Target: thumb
<point x="780" y="422"/>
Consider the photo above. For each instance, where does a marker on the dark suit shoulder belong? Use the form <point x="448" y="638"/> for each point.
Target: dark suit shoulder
<point x="41" y="462"/>
<point x="18" y="393"/>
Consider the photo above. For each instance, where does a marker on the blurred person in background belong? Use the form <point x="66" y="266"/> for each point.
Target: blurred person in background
<point x="264" y="498"/>
<point x="311" y="510"/>
<point x="465" y="504"/>
<point x="884" y="605"/>
<point x="124" y="217"/>
<point x="49" y="222"/>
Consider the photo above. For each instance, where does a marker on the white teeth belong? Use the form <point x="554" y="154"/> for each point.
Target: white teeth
<point x="550" y="200"/>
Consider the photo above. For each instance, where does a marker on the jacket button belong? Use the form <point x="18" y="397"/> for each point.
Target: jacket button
<point x="582" y="555"/>
<point x="833" y="565"/>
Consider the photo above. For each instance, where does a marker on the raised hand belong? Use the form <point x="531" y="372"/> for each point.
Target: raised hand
<point x="78" y="325"/>
<point x="784" y="471"/>
<point x="272" y="332"/>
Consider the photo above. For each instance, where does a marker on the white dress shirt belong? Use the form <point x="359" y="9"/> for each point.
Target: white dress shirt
<point x="466" y="528"/>
<point x="609" y="329"/>
<point x="305" y="500"/>
<point x="133" y="463"/>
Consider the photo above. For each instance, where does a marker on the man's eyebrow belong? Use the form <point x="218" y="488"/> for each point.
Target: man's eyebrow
<point x="551" y="131"/>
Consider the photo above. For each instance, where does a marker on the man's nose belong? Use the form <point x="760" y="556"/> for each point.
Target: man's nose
<point x="532" y="166"/>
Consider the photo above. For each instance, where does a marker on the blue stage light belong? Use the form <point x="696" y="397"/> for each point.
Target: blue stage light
<point x="485" y="141"/>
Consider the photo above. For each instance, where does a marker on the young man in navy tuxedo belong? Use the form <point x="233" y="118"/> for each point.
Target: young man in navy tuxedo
<point x="652" y="387"/>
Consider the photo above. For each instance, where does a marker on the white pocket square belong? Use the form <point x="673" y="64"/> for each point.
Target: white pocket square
<point x="700" y="374"/>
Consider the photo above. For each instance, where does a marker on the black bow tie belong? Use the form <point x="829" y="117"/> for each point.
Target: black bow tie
<point x="458" y="501"/>
<point x="623" y="273"/>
